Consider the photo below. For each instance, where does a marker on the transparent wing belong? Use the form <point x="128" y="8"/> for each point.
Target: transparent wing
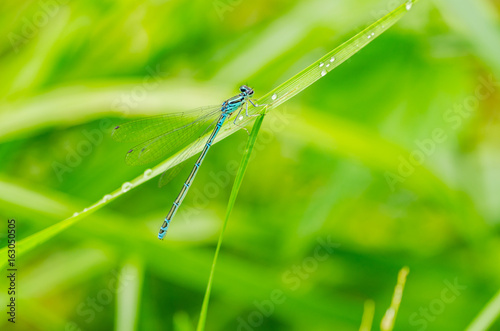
<point x="171" y="173"/>
<point x="170" y="139"/>
<point x="154" y="126"/>
<point x="168" y="175"/>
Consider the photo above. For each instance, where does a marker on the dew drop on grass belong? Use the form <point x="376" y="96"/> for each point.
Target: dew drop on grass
<point x="323" y="73"/>
<point x="409" y="4"/>
<point x="328" y="65"/>
<point x="274" y="96"/>
<point x="126" y="187"/>
<point x="321" y="64"/>
<point x="240" y="118"/>
<point x="369" y="36"/>
<point x="107" y="197"/>
<point x="85" y="210"/>
<point x="332" y="59"/>
<point x="148" y="173"/>
<point x="76" y="214"/>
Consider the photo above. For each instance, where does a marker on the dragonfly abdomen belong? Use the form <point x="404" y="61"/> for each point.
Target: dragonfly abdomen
<point x="227" y="108"/>
<point x="192" y="175"/>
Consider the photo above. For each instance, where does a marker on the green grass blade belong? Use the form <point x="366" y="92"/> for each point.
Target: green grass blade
<point x="487" y="316"/>
<point x="128" y="295"/>
<point x="232" y="198"/>
<point x="368" y="313"/>
<point x="272" y="99"/>
<point x="389" y="318"/>
<point x="333" y="59"/>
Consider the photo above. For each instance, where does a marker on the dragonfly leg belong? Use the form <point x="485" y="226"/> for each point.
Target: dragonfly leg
<point x="246" y="109"/>
<point x="234" y="122"/>
<point x="255" y="105"/>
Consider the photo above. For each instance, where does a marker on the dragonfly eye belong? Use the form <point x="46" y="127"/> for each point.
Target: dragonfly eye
<point x="246" y="90"/>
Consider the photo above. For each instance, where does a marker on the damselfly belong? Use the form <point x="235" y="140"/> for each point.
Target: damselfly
<point x="165" y="134"/>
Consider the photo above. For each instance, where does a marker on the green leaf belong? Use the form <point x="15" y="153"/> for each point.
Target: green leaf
<point x="232" y="198"/>
<point x="270" y="101"/>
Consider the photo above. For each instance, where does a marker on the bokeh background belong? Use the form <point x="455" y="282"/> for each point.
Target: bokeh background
<point x="392" y="159"/>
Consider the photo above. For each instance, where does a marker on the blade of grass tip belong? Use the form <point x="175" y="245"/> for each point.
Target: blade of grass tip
<point x="368" y="313"/>
<point x="487" y="316"/>
<point x="128" y="295"/>
<point x="333" y="59"/>
<point x="272" y="99"/>
<point x="232" y="198"/>
<point x="389" y="318"/>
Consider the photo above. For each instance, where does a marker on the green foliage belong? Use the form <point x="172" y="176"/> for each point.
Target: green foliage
<point x="285" y="91"/>
<point x="336" y="162"/>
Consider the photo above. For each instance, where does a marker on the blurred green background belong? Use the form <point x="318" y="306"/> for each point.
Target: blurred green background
<point x="392" y="158"/>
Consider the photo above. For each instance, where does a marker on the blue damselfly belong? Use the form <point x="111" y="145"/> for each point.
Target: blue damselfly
<point x="165" y="134"/>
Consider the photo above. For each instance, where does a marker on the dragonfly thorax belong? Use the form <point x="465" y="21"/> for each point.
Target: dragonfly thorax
<point x="230" y="105"/>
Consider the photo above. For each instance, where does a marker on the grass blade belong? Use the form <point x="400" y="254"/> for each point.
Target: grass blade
<point x="272" y="99"/>
<point x="487" y="316"/>
<point x="368" y="313"/>
<point x="232" y="198"/>
<point x="389" y="318"/>
<point x="128" y="295"/>
<point x="333" y="59"/>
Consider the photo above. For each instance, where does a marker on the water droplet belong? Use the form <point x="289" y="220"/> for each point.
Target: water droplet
<point x="85" y="210"/>
<point x="241" y="117"/>
<point x="76" y="214"/>
<point x="332" y="59"/>
<point x="107" y="197"/>
<point x="373" y="33"/>
<point x="369" y="36"/>
<point x="148" y="173"/>
<point x="323" y="73"/>
<point x="274" y="96"/>
<point x="126" y="187"/>
<point x="409" y="4"/>
<point x="328" y="65"/>
<point x="321" y="64"/>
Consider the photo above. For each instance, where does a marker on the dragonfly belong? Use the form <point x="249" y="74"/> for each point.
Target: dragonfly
<point x="163" y="135"/>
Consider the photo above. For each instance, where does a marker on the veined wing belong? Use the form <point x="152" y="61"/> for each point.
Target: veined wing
<point x="150" y="127"/>
<point x="170" y="141"/>
<point x="167" y="176"/>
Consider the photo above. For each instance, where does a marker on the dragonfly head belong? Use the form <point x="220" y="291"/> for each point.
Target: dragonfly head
<point x="246" y="91"/>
